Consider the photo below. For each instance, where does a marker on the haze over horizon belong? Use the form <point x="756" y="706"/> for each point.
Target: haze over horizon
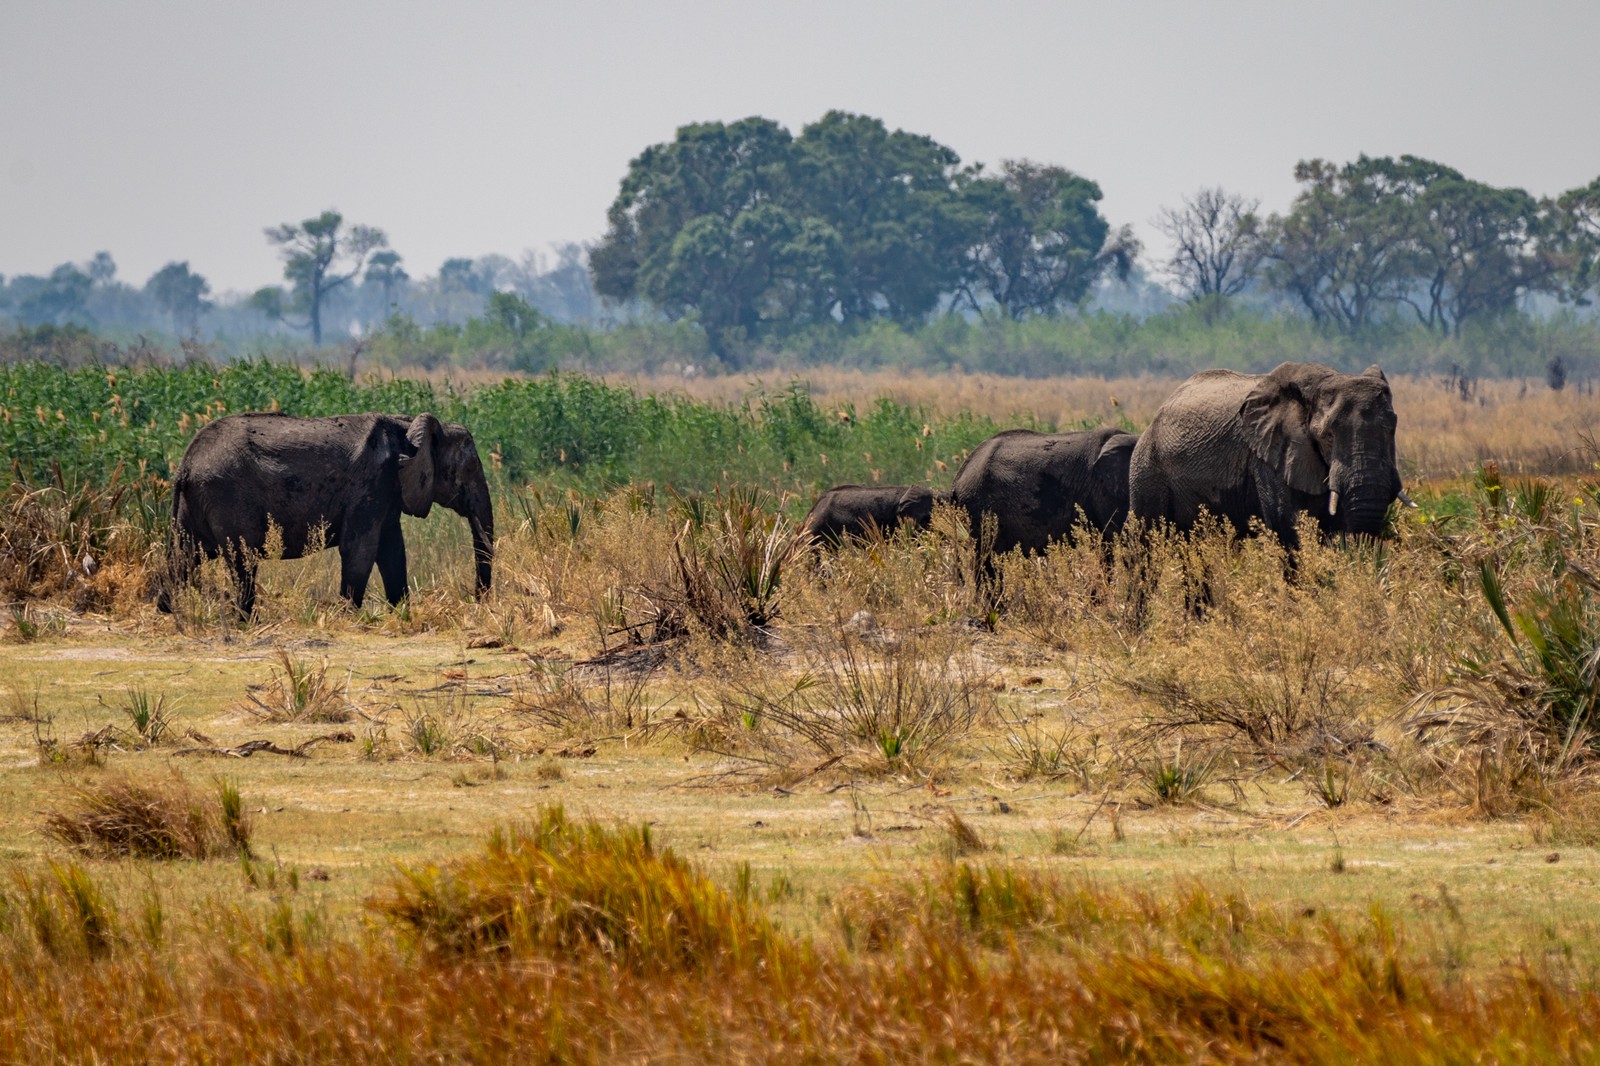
<point x="179" y="130"/>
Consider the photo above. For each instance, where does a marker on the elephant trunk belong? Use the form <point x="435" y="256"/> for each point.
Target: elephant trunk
<point x="480" y="516"/>
<point x="1358" y="502"/>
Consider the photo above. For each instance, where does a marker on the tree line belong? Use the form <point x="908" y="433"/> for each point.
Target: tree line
<point x="336" y="287"/>
<point x="755" y="240"/>
<point x="753" y="232"/>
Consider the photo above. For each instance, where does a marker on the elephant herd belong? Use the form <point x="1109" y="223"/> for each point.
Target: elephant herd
<point x="1302" y="439"/>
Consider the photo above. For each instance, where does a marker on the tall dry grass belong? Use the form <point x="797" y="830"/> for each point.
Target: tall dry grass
<point x="582" y="943"/>
<point x="168" y="819"/>
<point x="555" y="887"/>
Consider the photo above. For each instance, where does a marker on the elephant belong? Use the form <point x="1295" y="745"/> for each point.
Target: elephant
<point x="1036" y="483"/>
<point x="349" y="476"/>
<point x="851" y="510"/>
<point x="1303" y="438"/>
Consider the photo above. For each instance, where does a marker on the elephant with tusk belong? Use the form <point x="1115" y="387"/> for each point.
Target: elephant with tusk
<point x="1303" y="438"/>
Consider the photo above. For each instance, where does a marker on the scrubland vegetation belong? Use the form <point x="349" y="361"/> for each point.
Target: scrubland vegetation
<point x="680" y="788"/>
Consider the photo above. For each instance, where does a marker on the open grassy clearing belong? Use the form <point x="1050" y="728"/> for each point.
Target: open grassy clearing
<point x="1384" y="762"/>
<point x="352" y="813"/>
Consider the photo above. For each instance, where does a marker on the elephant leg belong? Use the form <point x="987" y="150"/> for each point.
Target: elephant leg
<point x="183" y="558"/>
<point x="985" y="573"/>
<point x="356" y="557"/>
<point x="392" y="563"/>
<point x="242" y="565"/>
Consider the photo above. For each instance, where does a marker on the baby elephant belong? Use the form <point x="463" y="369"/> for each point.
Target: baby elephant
<point x="850" y="510"/>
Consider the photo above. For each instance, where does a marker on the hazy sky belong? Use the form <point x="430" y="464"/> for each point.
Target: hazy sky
<point x="163" y="130"/>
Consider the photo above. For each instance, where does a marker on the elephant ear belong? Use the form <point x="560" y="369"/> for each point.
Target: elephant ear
<point x="1275" y="418"/>
<point x="1118" y="446"/>
<point x="416" y="471"/>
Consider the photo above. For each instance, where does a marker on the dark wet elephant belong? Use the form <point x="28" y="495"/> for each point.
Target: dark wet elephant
<point x="1039" y="486"/>
<point x="1304" y="438"/>
<point x="350" y="476"/>
<point x="851" y="510"/>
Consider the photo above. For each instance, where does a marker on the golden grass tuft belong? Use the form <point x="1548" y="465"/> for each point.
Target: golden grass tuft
<point x="556" y="887"/>
<point x="168" y="819"/>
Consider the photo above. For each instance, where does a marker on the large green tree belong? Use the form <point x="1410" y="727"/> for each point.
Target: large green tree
<point x="1478" y="250"/>
<point x="892" y="199"/>
<point x="1382" y="234"/>
<point x="1574" y="228"/>
<point x="319" y="256"/>
<point x="701" y="226"/>
<point x="1343" y="252"/>
<point x="1041" y="241"/>
<point x="751" y="231"/>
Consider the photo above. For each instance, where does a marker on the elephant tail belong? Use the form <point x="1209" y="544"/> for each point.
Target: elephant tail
<point x="180" y="547"/>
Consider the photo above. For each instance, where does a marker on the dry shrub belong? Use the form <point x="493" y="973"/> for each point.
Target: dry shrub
<point x="1572" y="817"/>
<point x="167" y="819"/>
<point x="1518" y="710"/>
<point x="303" y="589"/>
<point x="206" y="604"/>
<point x="300" y="691"/>
<point x="1085" y="594"/>
<point x="903" y="577"/>
<point x="626" y="560"/>
<point x="556" y="887"/>
<point x="1279" y="667"/>
<point x="61" y="536"/>
<point x="885" y="703"/>
<point x="608" y="558"/>
<point x="449" y="725"/>
<point x="560" y="701"/>
<point x="1036" y="746"/>
<point x="729" y="560"/>
<point x="1430" y="613"/>
<point x="544" y="538"/>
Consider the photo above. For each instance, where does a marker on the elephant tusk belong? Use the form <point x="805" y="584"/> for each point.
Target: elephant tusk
<point x="1333" y="503"/>
<point x="1407" y="500"/>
